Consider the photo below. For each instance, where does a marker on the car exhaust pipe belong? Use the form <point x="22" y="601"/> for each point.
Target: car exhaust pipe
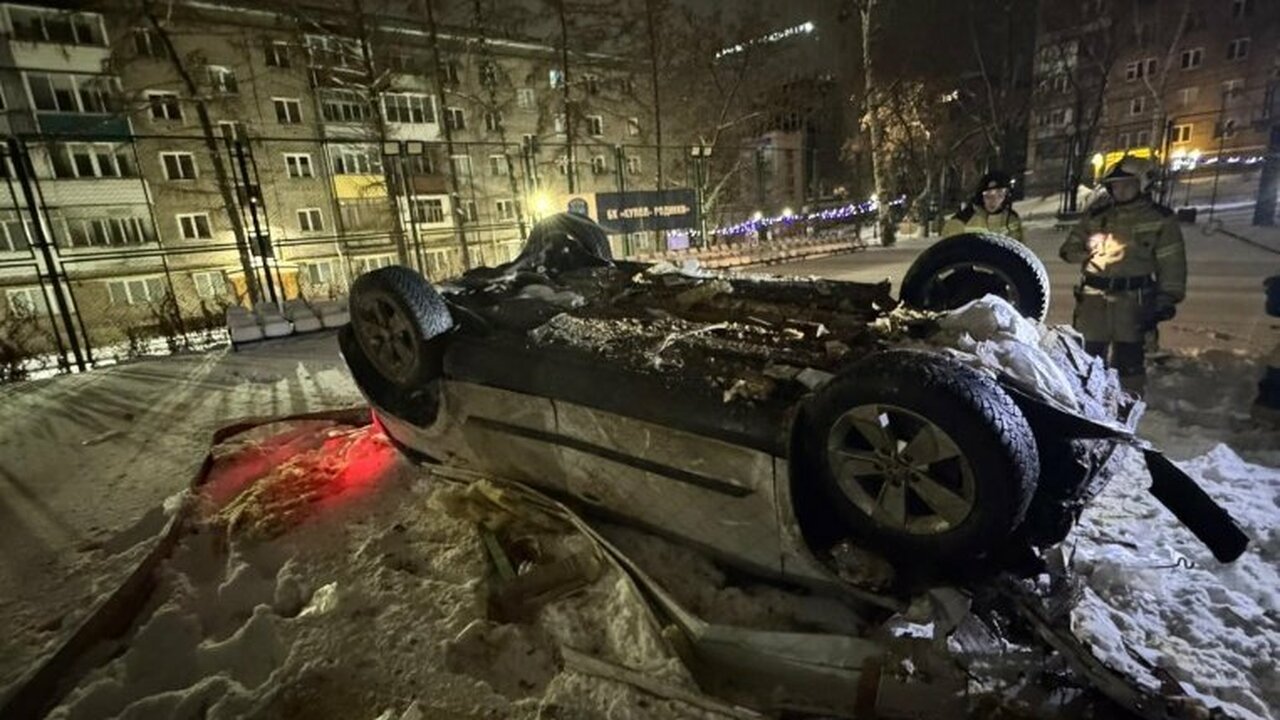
<point x="1204" y="517"/>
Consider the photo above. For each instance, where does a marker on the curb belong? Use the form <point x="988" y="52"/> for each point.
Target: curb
<point x="44" y="686"/>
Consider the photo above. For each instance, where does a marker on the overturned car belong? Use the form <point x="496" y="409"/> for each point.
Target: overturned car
<point x="804" y="429"/>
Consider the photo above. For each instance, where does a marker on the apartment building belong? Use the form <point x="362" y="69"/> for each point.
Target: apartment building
<point x="1120" y="77"/>
<point x="181" y="162"/>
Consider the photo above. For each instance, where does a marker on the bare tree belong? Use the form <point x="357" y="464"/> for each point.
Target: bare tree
<point x="223" y="179"/>
<point x="870" y="11"/>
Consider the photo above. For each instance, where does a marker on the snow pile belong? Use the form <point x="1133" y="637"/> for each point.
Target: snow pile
<point x="1156" y="598"/>
<point x="990" y="333"/>
<point x="375" y="602"/>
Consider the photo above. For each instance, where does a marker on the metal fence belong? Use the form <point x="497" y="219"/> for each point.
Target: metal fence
<point x="114" y="248"/>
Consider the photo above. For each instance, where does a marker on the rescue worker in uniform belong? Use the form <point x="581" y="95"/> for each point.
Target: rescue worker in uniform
<point x="1133" y="269"/>
<point x="990" y="210"/>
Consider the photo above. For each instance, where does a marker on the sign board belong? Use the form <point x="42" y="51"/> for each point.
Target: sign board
<point x="642" y="210"/>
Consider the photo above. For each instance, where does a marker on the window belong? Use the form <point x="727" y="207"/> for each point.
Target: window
<point x="136" y="292"/>
<point x="424" y="164"/>
<point x="506" y="209"/>
<point x="1192" y="58"/>
<point x="310" y="220"/>
<point x="146" y="43"/>
<point x="450" y="69"/>
<point x="223" y="80"/>
<point x="591" y="82"/>
<point x="1232" y="88"/>
<point x="194" y="226"/>
<point x="1188" y="96"/>
<point x="56" y="26"/>
<point x="179" y="165"/>
<point x="1138" y="105"/>
<point x="429" y="210"/>
<point x="1139" y="69"/>
<point x="1122" y="141"/>
<point x="28" y="301"/>
<point x="320" y="272"/>
<point x="1181" y="134"/>
<point x="1228" y="128"/>
<point x="402" y="63"/>
<point x="562" y="165"/>
<point x="633" y="126"/>
<point x="210" y="285"/>
<point x="365" y="264"/>
<point x="460" y="165"/>
<point x="278" y="54"/>
<point x="493" y="121"/>
<point x="455" y="118"/>
<point x="1238" y="49"/>
<point x="343" y="106"/>
<point x="15" y="235"/>
<point x="355" y="160"/>
<point x="595" y="125"/>
<point x="88" y="160"/>
<point x="55" y="93"/>
<point x="1241" y="9"/>
<point x="1058" y="117"/>
<point x="468" y="211"/>
<point x="498" y="165"/>
<point x="556" y="77"/>
<point x="525" y="98"/>
<point x="288" y="110"/>
<point x="633" y="165"/>
<point x="333" y="52"/>
<point x="530" y="142"/>
<point x="1143" y="138"/>
<point x="488" y="73"/>
<point x="598" y="165"/>
<point x="164" y="106"/>
<point x="408" y="108"/>
<point x="298" y="165"/>
<point x="231" y="130"/>
<point x="108" y="231"/>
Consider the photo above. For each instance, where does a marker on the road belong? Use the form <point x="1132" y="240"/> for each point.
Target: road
<point x="1225" y="302"/>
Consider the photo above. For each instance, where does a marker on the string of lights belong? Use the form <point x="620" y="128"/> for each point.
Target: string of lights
<point x="844" y="212"/>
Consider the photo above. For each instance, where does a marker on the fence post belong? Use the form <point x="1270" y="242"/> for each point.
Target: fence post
<point x="25" y="172"/>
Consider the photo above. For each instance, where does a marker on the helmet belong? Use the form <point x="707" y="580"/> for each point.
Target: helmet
<point x="993" y="180"/>
<point x="1132" y="167"/>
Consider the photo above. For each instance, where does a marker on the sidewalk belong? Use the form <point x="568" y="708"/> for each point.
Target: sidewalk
<point x="86" y="461"/>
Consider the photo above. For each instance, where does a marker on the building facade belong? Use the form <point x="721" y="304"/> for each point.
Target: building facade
<point x="1186" y="82"/>
<point x="235" y="152"/>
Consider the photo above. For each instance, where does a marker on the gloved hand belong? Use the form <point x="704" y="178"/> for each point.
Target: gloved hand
<point x="1164" y="308"/>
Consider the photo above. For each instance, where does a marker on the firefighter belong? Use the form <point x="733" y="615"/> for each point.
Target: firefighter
<point x="1134" y="269"/>
<point x="990" y="210"/>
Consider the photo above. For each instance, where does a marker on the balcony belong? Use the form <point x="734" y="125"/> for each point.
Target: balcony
<point x="33" y="55"/>
<point x="429" y="184"/>
<point x="359" y="187"/>
<point x="93" y="191"/>
<point x="84" y="124"/>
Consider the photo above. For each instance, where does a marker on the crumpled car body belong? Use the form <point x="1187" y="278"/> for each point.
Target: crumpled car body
<point x="802" y="429"/>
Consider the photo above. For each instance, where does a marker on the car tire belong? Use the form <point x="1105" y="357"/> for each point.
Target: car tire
<point x="945" y="479"/>
<point x="962" y="268"/>
<point x="395" y="313"/>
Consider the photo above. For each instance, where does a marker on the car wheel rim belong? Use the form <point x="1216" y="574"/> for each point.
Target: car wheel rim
<point x="386" y="336"/>
<point x="960" y="283"/>
<point x="901" y="469"/>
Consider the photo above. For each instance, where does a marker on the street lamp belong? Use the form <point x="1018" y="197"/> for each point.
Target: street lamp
<point x="701" y="153"/>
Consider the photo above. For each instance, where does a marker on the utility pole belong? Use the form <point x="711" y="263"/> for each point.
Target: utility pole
<point x="571" y="165"/>
<point x="651" y="21"/>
